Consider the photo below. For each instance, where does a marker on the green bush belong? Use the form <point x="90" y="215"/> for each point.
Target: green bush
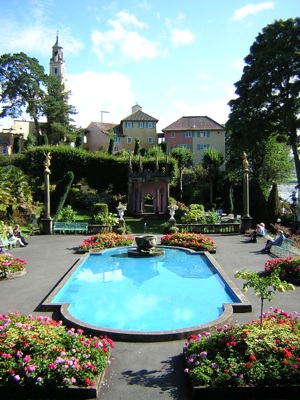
<point x="58" y="197"/>
<point x="194" y="214"/>
<point x="212" y="217"/>
<point x="67" y="214"/>
<point x="100" y="208"/>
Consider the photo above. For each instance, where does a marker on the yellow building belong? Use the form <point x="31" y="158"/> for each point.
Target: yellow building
<point x="138" y="125"/>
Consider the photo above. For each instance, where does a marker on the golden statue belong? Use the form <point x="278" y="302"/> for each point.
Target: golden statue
<point x="47" y="162"/>
<point x="245" y="161"/>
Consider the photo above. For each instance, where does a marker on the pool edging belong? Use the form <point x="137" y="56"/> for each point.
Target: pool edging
<point x="149" y="336"/>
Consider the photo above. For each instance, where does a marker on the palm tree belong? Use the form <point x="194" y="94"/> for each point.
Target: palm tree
<point x="14" y="189"/>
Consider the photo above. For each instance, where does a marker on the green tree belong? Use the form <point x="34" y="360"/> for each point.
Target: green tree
<point x="268" y="101"/>
<point x="264" y="286"/>
<point x="184" y="158"/>
<point x="110" y="145"/>
<point x="14" y="189"/>
<point x="164" y="147"/>
<point x="212" y="161"/>
<point x="17" y="145"/>
<point x="154" y="151"/>
<point x="272" y="211"/>
<point x="22" y="79"/>
<point x="137" y="146"/>
<point x="56" y="107"/>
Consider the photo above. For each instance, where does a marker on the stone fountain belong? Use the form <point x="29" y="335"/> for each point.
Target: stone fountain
<point x="146" y="247"/>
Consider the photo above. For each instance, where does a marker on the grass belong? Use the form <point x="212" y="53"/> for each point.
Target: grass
<point x="138" y="225"/>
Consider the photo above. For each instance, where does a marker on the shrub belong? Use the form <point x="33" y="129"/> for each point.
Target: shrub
<point x="241" y="355"/>
<point x="289" y="268"/>
<point x="193" y="241"/>
<point x="58" y="197"/>
<point x="105" y="241"/>
<point x="194" y="214"/>
<point x="39" y="352"/>
<point x="212" y="217"/>
<point x="67" y="214"/>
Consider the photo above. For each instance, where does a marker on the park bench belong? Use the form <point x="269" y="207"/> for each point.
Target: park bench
<point x="64" y="227"/>
<point x="286" y="249"/>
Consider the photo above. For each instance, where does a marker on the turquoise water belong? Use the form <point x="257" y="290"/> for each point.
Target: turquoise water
<point x="174" y="291"/>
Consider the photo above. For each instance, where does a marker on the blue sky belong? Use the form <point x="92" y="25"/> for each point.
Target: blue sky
<point x="173" y="57"/>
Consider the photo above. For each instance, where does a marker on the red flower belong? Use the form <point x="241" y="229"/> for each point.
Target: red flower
<point x="252" y="357"/>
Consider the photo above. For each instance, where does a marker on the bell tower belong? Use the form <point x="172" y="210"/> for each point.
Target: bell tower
<point x="57" y="63"/>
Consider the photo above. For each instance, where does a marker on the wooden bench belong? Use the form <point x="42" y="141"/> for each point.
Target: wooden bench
<point x="286" y="249"/>
<point x="64" y="227"/>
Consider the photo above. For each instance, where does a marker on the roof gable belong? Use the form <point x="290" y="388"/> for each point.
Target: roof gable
<point x="139" y="116"/>
<point x="194" y="123"/>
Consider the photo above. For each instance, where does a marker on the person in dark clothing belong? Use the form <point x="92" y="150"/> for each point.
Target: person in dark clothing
<point x="274" y="242"/>
<point x="17" y="233"/>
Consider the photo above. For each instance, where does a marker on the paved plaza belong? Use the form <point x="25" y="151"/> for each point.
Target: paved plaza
<point x="146" y="371"/>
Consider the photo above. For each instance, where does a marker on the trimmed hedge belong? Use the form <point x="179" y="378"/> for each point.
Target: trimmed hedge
<point x="100" y="170"/>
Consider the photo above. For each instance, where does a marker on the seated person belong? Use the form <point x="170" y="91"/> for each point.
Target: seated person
<point x="259" y="231"/>
<point x="17" y="234"/>
<point x="274" y="242"/>
<point x="12" y="239"/>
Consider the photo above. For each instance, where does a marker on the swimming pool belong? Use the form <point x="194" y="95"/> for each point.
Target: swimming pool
<point x="173" y="293"/>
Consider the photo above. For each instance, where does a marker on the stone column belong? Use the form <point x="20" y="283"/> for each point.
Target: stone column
<point x="246" y="220"/>
<point x="47" y="220"/>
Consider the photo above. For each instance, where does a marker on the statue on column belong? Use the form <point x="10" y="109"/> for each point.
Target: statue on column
<point x="245" y="161"/>
<point x="47" y="161"/>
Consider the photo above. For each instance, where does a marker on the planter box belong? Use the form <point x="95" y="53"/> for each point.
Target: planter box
<point x="246" y="392"/>
<point x="52" y="392"/>
<point x="14" y="275"/>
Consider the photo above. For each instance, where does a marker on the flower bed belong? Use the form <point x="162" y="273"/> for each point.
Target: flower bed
<point x="37" y="353"/>
<point x="243" y="355"/>
<point x="289" y="268"/>
<point x="10" y="266"/>
<point x="105" y="241"/>
<point x="194" y="241"/>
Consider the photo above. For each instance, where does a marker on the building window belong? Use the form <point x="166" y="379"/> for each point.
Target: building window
<point x="150" y="140"/>
<point x="204" y="134"/>
<point x="149" y="124"/>
<point x="173" y="135"/>
<point x="117" y="139"/>
<point x="188" y="134"/>
<point x="186" y="146"/>
<point x="128" y="124"/>
<point x="128" y="140"/>
<point x="116" y="148"/>
<point x="141" y="124"/>
<point x="202" y="146"/>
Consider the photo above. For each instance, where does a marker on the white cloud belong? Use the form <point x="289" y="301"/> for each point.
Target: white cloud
<point x="128" y="41"/>
<point x="181" y="37"/>
<point x="93" y="92"/>
<point x="130" y="20"/>
<point x="174" y="22"/>
<point x="243" y="12"/>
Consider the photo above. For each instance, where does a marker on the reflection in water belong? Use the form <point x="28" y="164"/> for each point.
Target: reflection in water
<point x="173" y="291"/>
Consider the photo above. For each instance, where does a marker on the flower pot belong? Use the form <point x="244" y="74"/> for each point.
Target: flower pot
<point x="52" y="392"/>
<point x="246" y="392"/>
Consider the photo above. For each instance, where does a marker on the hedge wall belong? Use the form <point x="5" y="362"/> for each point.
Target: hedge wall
<point x="100" y="170"/>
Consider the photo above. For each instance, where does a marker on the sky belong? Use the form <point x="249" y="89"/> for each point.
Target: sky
<point x="174" y="58"/>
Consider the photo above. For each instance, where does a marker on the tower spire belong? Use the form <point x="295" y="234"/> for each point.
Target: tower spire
<point x="57" y="63"/>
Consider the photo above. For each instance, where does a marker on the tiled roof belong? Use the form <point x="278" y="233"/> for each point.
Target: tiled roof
<point x="101" y="126"/>
<point x="193" y="123"/>
<point x="139" y="116"/>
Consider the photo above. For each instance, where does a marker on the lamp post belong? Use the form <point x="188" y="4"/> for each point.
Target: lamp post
<point x="246" y="220"/>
